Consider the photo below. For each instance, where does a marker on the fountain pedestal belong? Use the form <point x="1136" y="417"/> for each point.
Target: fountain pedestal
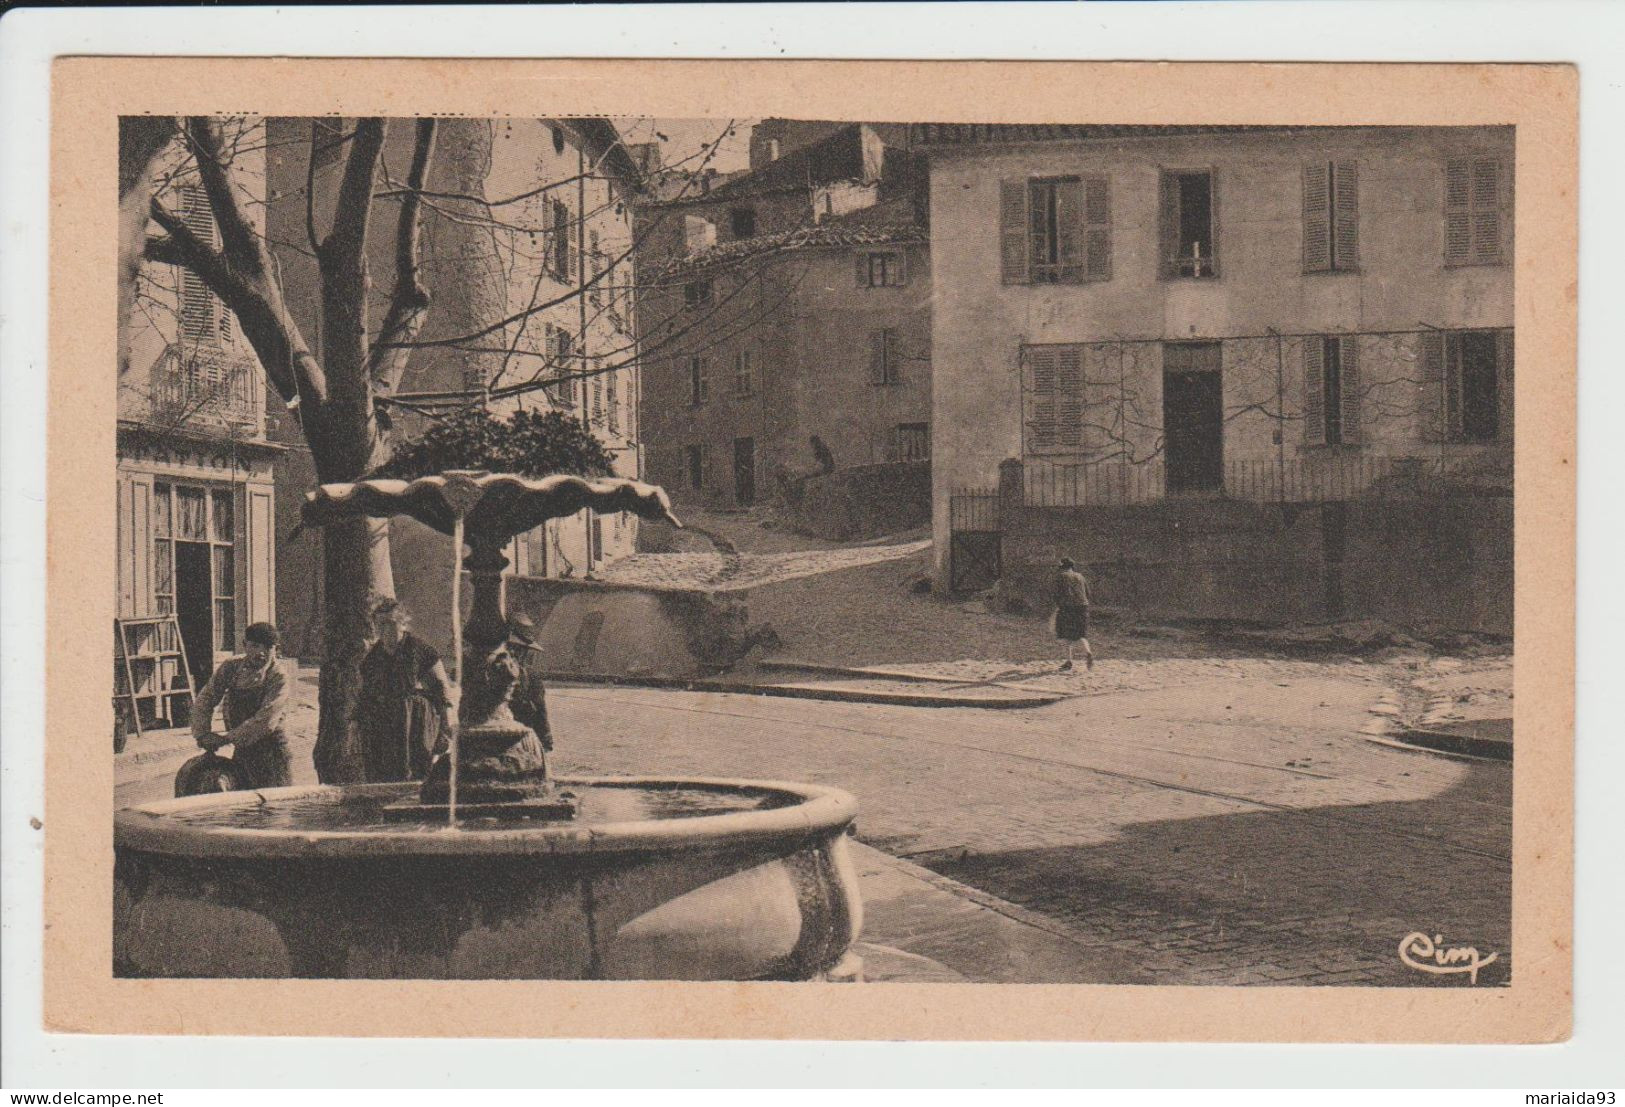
<point x="501" y="765"/>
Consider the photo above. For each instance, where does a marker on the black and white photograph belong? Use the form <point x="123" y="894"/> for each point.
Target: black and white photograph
<point x="801" y="549"/>
<point x="808" y="551"/>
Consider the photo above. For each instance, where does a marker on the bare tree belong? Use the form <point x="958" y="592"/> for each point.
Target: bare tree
<point x="332" y="399"/>
<point x="335" y="397"/>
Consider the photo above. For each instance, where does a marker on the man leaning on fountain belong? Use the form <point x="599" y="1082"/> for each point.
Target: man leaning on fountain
<point x="252" y="690"/>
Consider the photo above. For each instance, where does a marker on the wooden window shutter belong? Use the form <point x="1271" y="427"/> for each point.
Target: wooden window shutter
<point x="1069" y="397"/>
<point x="1069" y="230"/>
<point x="877" y="357"/>
<point x="1168" y="225"/>
<point x="1430" y="388"/>
<point x="1314" y="391"/>
<point x="863" y="269"/>
<point x="1458" y="213"/>
<point x="1486" y="210"/>
<point x="1097" y="214"/>
<point x="1042" y="371"/>
<point x="1504" y="384"/>
<point x="1346" y="215"/>
<point x="1348" y="395"/>
<point x="1317" y="231"/>
<point x="1013" y="231"/>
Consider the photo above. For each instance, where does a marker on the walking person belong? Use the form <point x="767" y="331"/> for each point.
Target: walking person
<point x="252" y="692"/>
<point x="1072" y="613"/>
<point x="405" y="701"/>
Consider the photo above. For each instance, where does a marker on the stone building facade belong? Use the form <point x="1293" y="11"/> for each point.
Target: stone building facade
<point x="526" y="212"/>
<point x="196" y="498"/>
<point x="786" y="324"/>
<point x="1139" y="319"/>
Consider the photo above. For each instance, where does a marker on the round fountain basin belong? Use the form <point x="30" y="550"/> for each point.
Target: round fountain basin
<point x="653" y="880"/>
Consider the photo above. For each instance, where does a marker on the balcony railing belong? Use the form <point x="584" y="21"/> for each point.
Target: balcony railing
<point x="1048" y="482"/>
<point x="209" y="389"/>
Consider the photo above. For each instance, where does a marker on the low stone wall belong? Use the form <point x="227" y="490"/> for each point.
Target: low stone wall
<point x="1445" y="562"/>
<point x="587" y="626"/>
<point x="864" y="501"/>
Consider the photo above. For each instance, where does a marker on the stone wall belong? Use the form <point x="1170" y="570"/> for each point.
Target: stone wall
<point x="1443" y="561"/>
<point x="599" y="627"/>
<point x="865" y="501"/>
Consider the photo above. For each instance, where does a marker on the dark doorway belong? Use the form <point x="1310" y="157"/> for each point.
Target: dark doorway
<point x="1480" y="405"/>
<point x="745" y="471"/>
<point x="1193" y="417"/>
<point x="193" y="601"/>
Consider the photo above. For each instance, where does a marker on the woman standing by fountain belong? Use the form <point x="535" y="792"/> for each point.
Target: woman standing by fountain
<point x="405" y="703"/>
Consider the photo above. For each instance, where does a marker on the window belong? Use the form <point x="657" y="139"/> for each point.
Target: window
<point x="1331" y="217"/>
<point x="744" y="374"/>
<point x="558" y="245"/>
<point x="1467" y="390"/>
<point x="1055" y="231"/>
<point x="912" y="441"/>
<point x="205" y="517"/>
<point x="882" y="269"/>
<point x="697" y="293"/>
<point x="699" y="467"/>
<point x="884" y="365"/>
<point x="1331" y="383"/>
<point x="1189" y="226"/>
<point x="742" y="222"/>
<point x="1055" y="399"/>
<point x="772" y="149"/>
<point x="1472" y="211"/>
<point x="595" y="294"/>
<point x="596" y="415"/>
<point x="560" y="351"/>
<point x="203" y="318"/>
<point x="699" y="380"/>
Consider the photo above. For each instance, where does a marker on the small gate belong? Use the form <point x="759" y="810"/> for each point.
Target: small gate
<point x="975" y="555"/>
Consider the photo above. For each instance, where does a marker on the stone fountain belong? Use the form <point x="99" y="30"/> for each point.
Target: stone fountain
<point x="491" y="868"/>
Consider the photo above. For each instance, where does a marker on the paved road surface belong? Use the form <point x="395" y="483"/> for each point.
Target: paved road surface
<point x="1226" y="831"/>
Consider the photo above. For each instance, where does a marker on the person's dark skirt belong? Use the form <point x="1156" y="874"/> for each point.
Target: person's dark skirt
<point x="1072" y="623"/>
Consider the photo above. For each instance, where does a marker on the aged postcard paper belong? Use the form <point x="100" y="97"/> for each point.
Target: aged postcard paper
<point x="811" y="549"/>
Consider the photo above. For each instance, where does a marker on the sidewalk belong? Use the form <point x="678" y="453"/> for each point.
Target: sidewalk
<point x="1463" y="708"/>
<point x="922" y="928"/>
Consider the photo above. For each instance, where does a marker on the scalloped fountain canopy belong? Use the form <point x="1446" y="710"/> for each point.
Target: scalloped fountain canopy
<point x="494" y="506"/>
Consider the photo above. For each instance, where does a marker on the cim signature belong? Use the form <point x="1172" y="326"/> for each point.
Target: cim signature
<point x="1431" y="955"/>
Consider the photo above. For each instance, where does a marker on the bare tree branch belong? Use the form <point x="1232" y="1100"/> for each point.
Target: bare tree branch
<point x="409" y="302"/>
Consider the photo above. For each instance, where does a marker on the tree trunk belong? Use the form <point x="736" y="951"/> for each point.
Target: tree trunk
<point x="345" y="443"/>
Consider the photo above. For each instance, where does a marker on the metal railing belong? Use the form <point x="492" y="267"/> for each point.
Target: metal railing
<point x="219" y="390"/>
<point x="1048" y="482"/>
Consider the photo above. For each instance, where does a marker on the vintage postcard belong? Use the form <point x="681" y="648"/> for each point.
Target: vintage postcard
<point x="811" y="549"/>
